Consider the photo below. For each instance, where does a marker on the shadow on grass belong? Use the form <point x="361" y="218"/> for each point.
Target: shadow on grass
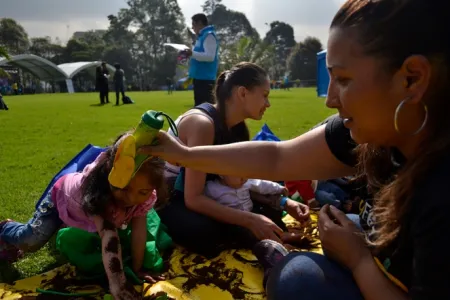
<point x="32" y="264"/>
<point x="8" y="273"/>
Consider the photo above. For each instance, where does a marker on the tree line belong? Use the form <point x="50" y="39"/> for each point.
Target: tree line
<point x="136" y="35"/>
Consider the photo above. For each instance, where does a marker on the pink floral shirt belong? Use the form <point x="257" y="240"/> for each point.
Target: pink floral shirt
<point x="67" y="197"/>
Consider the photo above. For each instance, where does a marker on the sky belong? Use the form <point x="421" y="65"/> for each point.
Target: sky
<point x="61" y="18"/>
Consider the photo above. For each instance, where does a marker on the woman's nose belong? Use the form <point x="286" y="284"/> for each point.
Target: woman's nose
<point x="333" y="100"/>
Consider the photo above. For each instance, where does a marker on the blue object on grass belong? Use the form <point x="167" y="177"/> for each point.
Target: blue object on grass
<point x="76" y="164"/>
<point x="323" y="78"/>
<point x="265" y="134"/>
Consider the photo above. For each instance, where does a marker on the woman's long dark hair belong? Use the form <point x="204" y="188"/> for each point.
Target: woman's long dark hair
<point x="393" y="30"/>
<point x="245" y="74"/>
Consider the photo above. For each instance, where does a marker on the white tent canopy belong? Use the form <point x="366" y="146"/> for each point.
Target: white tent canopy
<point x="72" y="69"/>
<point x="43" y="69"/>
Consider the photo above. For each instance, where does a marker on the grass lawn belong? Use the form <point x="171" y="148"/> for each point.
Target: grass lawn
<point x="41" y="133"/>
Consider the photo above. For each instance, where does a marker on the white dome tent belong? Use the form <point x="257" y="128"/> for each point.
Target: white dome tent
<point x="40" y="67"/>
<point x="72" y="69"/>
<point x="47" y="71"/>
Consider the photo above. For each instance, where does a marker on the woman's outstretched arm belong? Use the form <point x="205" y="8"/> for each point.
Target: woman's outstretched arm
<point x="305" y="157"/>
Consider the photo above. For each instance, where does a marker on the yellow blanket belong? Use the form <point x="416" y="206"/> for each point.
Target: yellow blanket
<point x="234" y="274"/>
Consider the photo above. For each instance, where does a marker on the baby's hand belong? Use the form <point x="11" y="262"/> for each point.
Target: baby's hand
<point x="292" y="237"/>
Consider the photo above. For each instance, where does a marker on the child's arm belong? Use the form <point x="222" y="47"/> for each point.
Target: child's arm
<point x="265" y="187"/>
<point x="112" y="260"/>
<point x="273" y="201"/>
<point x="138" y="241"/>
<point x="138" y="244"/>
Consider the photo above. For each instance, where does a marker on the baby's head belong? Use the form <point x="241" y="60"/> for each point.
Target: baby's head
<point x="233" y="181"/>
<point x="98" y="193"/>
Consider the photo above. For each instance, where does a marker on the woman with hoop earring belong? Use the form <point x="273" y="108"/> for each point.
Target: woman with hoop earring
<point x="389" y="80"/>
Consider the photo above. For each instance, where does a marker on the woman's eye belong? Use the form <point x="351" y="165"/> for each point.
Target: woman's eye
<point x="342" y="80"/>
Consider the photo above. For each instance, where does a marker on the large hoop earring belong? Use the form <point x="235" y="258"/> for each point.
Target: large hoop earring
<point x="399" y="108"/>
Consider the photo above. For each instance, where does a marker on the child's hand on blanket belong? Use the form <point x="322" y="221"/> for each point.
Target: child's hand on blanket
<point x="291" y="237"/>
<point x="297" y="210"/>
<point x="150" y="277"/>
<point x="263" y="228"/>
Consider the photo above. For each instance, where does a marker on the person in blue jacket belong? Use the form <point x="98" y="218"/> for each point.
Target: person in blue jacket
<point x="204" y="62"/>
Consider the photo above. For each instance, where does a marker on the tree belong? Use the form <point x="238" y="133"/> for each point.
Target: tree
<point x="95" y="43"/>
<point x="250" y="50"/>
<point x="230" y="25"/>
<point x="209" y="7"/>
<point x="158" y="22"/>
<point x="118" y="32"/>
<point x="4" y="53"/>
<point x="122" y="56"/>
<point x="302" y="62"/>
<point x="13" y="36"/>
<point x="44" y="47"/>
<point x="281" y="36"/>
<point x="77" y="50"/>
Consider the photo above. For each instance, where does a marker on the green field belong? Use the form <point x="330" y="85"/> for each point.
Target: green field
<point x="41" y="133"/>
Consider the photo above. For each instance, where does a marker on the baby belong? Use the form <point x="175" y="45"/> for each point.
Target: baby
<point x="238" y="193"/>
<point x="235" y="192"/>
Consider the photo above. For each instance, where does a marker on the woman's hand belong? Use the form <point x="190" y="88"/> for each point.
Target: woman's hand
<point x="167" y="148"/>
<point x="341" y="239"/>
<point x="150" y="277"/>
<point x="297" y="210"/>
<point x="264" y="228"/>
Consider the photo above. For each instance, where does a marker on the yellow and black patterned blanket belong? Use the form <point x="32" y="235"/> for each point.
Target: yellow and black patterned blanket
<point x="234" y="274"/>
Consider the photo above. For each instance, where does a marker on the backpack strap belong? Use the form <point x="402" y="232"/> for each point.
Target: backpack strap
<point x="212" y="112"/>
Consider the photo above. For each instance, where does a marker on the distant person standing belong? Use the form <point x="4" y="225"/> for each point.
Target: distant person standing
<point x="15" y="88"/>
<point x="102" y="76"/>
<point x="169" y="83"/>
<point x="98" y="79"/>
<point x="119" y="83"/>
<point x="204" y="62"/>
<point x="286" y="82"/>
<point x="105" y="82"/>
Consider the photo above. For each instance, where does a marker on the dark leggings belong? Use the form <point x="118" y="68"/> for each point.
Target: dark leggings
<point x="206" y="236"/>
<point x="104" y="94"/>
<point x="307" y="275"/>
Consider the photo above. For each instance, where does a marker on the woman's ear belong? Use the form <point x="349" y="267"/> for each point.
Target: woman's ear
<point x="417" y="72"/>
<point x="242" y="92"/>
